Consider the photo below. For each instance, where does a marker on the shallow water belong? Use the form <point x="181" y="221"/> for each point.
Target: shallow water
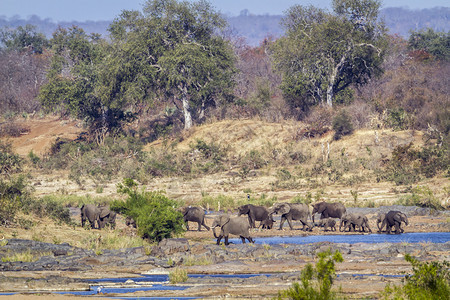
<point x="414" y="237"/>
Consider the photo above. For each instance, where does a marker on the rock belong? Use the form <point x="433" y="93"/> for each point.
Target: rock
<point x="171" y="246"/>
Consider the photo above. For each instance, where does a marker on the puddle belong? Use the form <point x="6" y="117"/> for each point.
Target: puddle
<point x="415" y="237"/>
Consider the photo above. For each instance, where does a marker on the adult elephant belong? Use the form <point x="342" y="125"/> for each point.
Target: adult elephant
<point x="100" y="215"/>
<point x="231" y="225"/>
<point x="328" y="210"/>
<point x="106" y="216"/>
<point x="351" y="220"/>
<point x="292" y="212"/>
<point x="254" y="213"/>
<point x="394" y="218"/>
<point x="89" y="212"/>
<point x="194" y="214"/>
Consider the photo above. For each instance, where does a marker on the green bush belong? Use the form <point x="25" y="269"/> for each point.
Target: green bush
<point x="421" y="196"/>
<point x="155" y="215"/>
<point x="9" y="162"/>
<point x="324" y="272"/>
<point x="13" y="192"/>
<point x="50" y="207"/>
<point x="342" y="125"/>
<point x="430" y="280"/>
<point x="220" y="202"/>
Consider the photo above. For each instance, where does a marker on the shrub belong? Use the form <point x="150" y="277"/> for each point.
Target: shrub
<point x="220" y="202"/>
<point x="50" y="207"/>
<point x="13" y="193"/>
<point x="12" y="129"/>
<point x="421" y="196"/>
<point x="324" y="272"/>
<point x="430" y="280"/>
<point x="178" y="275"/>
<point x="155" y="215"/>
<point x="9" y="162"/>
<point x="342" y="125"/>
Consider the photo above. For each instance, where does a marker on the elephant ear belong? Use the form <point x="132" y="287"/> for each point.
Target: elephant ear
<point x="104" y="211"/>
<point x="224" y="219"/>
<point x="284" y="208"/>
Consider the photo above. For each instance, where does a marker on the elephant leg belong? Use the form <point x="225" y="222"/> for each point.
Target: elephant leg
<point x="250" y="240"/>
<point x="282" y="222"/>
<point x="397" y="228"/>
<point x="226" y="240"/>
<point x="219" y="239"/>
<point x="290" y="224"/>
<point x="199" y="226"/>
<point x="243" y="239"/>
<point x="204" y="225"/>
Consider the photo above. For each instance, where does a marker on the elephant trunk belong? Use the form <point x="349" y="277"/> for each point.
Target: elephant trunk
<point x="214" y="232"/>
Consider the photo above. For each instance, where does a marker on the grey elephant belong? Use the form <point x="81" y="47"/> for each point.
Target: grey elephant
<point x="100" y="215"/>
<point x="292" y="212"/>
<point x="393" y="218"/>
<point x="194" y="214"/>
<point x="353" y="220"/>
<point x="106" y="217"/>
<point x="231" y="225"/>
<point x="254" y="213"/>
<point x="325" y="223"/>
<point x="267" y="223"/>
<point x="328" y="210"/>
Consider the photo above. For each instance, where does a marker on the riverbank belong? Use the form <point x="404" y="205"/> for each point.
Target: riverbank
<point x="366" y="269"/>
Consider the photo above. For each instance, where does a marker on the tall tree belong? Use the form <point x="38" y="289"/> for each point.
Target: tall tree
<point x="323" y="53"/>
<point x="74" y="82"/>
<point x="172" y="49"/>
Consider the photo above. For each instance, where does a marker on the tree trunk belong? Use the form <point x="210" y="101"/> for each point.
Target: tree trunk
<point x="186" y="107"/>
<point x="187" y="113"/>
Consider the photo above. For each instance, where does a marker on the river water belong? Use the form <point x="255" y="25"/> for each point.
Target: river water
<point x="414" y="237"/>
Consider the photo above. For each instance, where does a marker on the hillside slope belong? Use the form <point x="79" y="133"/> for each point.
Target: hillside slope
<point x="363" y="152"/>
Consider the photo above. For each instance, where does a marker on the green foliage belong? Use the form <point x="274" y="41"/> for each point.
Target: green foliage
<point x="155" y="215"/>
<point x="421" y="196"/>
<point x="262" y="200"/>
<point x="435" y="43"/>
<point x="398" y="119"/>
<point x="23" y="39"/>
<point x="324" y="272"/>
<point x="220" y="202"/>
<point x="305" y="200"/>
<point x="285" y="180"/>
<point x="430" y="280"/>
<point x="213" y="156"/>
<point x="9" y="162"/>
<point x="178" y="275"/>
<point x="48" y="207"/>
<point x="323" y="53"/>
<point x="172" y="48"/>
<point x="342" y="125"/>
<point x="407" y="163"/>
<point x="35" y="160"/>
<point x="14" y="191"/>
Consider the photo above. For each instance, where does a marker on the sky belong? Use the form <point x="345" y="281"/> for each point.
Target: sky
<point x="100" y="10"/>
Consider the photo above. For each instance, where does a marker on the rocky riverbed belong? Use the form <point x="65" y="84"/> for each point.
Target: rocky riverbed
<point x="366" y="269"/>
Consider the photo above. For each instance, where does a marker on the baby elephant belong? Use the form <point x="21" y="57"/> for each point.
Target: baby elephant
<point x="325" y="223"/>
<point x="267" y="223"/>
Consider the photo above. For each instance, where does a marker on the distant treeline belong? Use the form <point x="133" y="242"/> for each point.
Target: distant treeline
<point x="254" y="28"/>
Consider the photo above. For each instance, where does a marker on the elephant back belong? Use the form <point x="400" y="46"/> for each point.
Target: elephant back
<point x="281" y="208"/>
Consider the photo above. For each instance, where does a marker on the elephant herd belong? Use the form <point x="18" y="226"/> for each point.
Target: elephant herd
<point x="290" y="212"/>
<point x="100" y="216"/>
